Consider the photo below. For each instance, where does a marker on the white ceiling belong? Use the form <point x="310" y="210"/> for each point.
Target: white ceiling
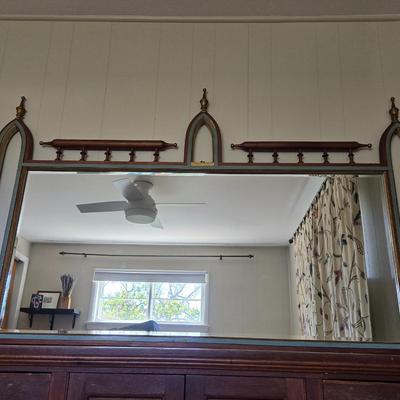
<point x="196" y="8"/>
<point x="245" y="210"/>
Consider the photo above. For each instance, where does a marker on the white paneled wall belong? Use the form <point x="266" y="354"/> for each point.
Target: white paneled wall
<point x="321" y="80"/>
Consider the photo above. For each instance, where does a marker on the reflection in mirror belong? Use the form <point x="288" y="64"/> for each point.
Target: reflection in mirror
<point x="206" y="254"/>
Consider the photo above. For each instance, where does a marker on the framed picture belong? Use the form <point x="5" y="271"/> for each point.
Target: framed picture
<point x="50" y="298"/>
<point x="36" y="301"/>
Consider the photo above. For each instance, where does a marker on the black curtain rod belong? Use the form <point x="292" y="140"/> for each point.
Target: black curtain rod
<point x="220" y="256"/>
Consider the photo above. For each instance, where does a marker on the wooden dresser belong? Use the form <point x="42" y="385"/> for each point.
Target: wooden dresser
<point x="56" y="367"/>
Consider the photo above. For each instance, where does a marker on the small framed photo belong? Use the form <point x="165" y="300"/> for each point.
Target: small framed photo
<point x="50" y="298"/>
<point x="36" y="301"/>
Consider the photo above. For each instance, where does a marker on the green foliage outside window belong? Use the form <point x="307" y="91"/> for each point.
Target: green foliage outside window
<point x="130" y="301"/>
<point x="126" y="301"/>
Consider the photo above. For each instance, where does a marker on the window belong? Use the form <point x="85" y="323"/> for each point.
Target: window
<point x="171" y="297"/>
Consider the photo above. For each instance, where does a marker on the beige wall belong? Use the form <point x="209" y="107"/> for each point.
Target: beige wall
<point x="295" y="329"/>
<point x="246" y="297"/>
<point x="23" y="249"/>
<point x="384" y="307"/>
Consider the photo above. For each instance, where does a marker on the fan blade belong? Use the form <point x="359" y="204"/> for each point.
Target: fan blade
<point x="157" y="224"/>
<point x="106" y="206"/>
<point x="128" y="189"/>
<point x="180" y="204"/>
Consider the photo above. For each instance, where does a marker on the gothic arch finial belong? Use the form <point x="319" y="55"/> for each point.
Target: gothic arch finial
<point x="21" y="111"/>
<point x="204" y="101"/>
<point x="394" y="111"/>
<point x="14" y="127"/>
<point x="203" y="118"/>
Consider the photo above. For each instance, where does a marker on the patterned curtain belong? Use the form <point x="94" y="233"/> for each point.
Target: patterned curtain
<point x="331" y="283"/>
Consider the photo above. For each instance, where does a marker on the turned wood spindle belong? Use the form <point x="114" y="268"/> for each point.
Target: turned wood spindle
<point x="132" y="155"/>
<point x="325" y="156"/>
<point x="351" y="157"/>
<point x="156" y="155"/>
<point x="275" y="156"/>
<point x="59" y="153"/>
<point x="300" y="156"/>
<point x="83" y="154"/>
<point x="107" y="153"/>
<point x="250" y="157"/>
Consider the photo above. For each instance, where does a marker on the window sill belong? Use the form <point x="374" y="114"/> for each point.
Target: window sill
<point x="164" y="327"/>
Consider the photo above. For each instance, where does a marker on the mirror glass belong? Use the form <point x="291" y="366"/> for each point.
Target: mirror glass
<point x="194" y="254"/>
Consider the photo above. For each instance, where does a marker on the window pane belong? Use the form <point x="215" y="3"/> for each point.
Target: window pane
<point x="123" y="301"/>
<point x="177" y="291"/>
<point x="177" y="310"/>
<point x="130" y="301"/>
<point x="130" y="290"/>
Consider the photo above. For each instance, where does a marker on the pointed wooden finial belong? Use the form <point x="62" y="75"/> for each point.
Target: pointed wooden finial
<point x="21" y="111"/>
<point x="204" y="101"/>
<point x="394" y="111"/>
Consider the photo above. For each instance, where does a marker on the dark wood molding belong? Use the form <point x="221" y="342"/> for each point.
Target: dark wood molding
<point x="108" y="146"/>
<point x="299" y="360"/>
<point x="276" y="147"/>
<point x="82" y="369"/>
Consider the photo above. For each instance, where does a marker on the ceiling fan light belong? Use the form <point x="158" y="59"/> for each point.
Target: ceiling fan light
<point x="141" y="215"/>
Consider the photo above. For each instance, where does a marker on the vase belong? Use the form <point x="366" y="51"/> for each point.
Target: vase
<point x="65" y="302"/>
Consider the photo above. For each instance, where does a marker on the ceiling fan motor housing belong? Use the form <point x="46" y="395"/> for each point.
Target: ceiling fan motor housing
<point x="141" y="212"/>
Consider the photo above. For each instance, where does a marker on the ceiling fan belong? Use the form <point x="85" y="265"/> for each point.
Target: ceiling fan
<point x="139" y="207"/>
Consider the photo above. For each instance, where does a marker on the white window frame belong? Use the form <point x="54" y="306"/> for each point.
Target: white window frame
<point x="202" y="326"/>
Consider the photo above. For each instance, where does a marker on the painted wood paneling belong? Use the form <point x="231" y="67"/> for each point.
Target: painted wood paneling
<point x="143" y="80"/>
<point x="294" y="83"/>
<point x="260" y="97"/>
<point x="330" y="95"/>
<point x="362" y="83"/>
<point x="23" y="66"/>
<point x="286" y="81"/>
<point x="83" y="110"/>
<point x="54" y="86"/>
<point x="389" y="43"/>
<point x="131" y="85"/>
<point x="202" y="76"/>
<point x="4" y="30"/>
<point x="231" y="82"/>
<point x="173" y="86"/>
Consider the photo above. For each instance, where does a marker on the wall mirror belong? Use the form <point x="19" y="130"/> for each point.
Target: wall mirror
<point x="250" y="250"/>
<point x="215" y="259"/>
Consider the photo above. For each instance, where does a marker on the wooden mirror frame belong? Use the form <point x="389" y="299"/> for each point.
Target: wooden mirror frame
<point x="27" y="163"/>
